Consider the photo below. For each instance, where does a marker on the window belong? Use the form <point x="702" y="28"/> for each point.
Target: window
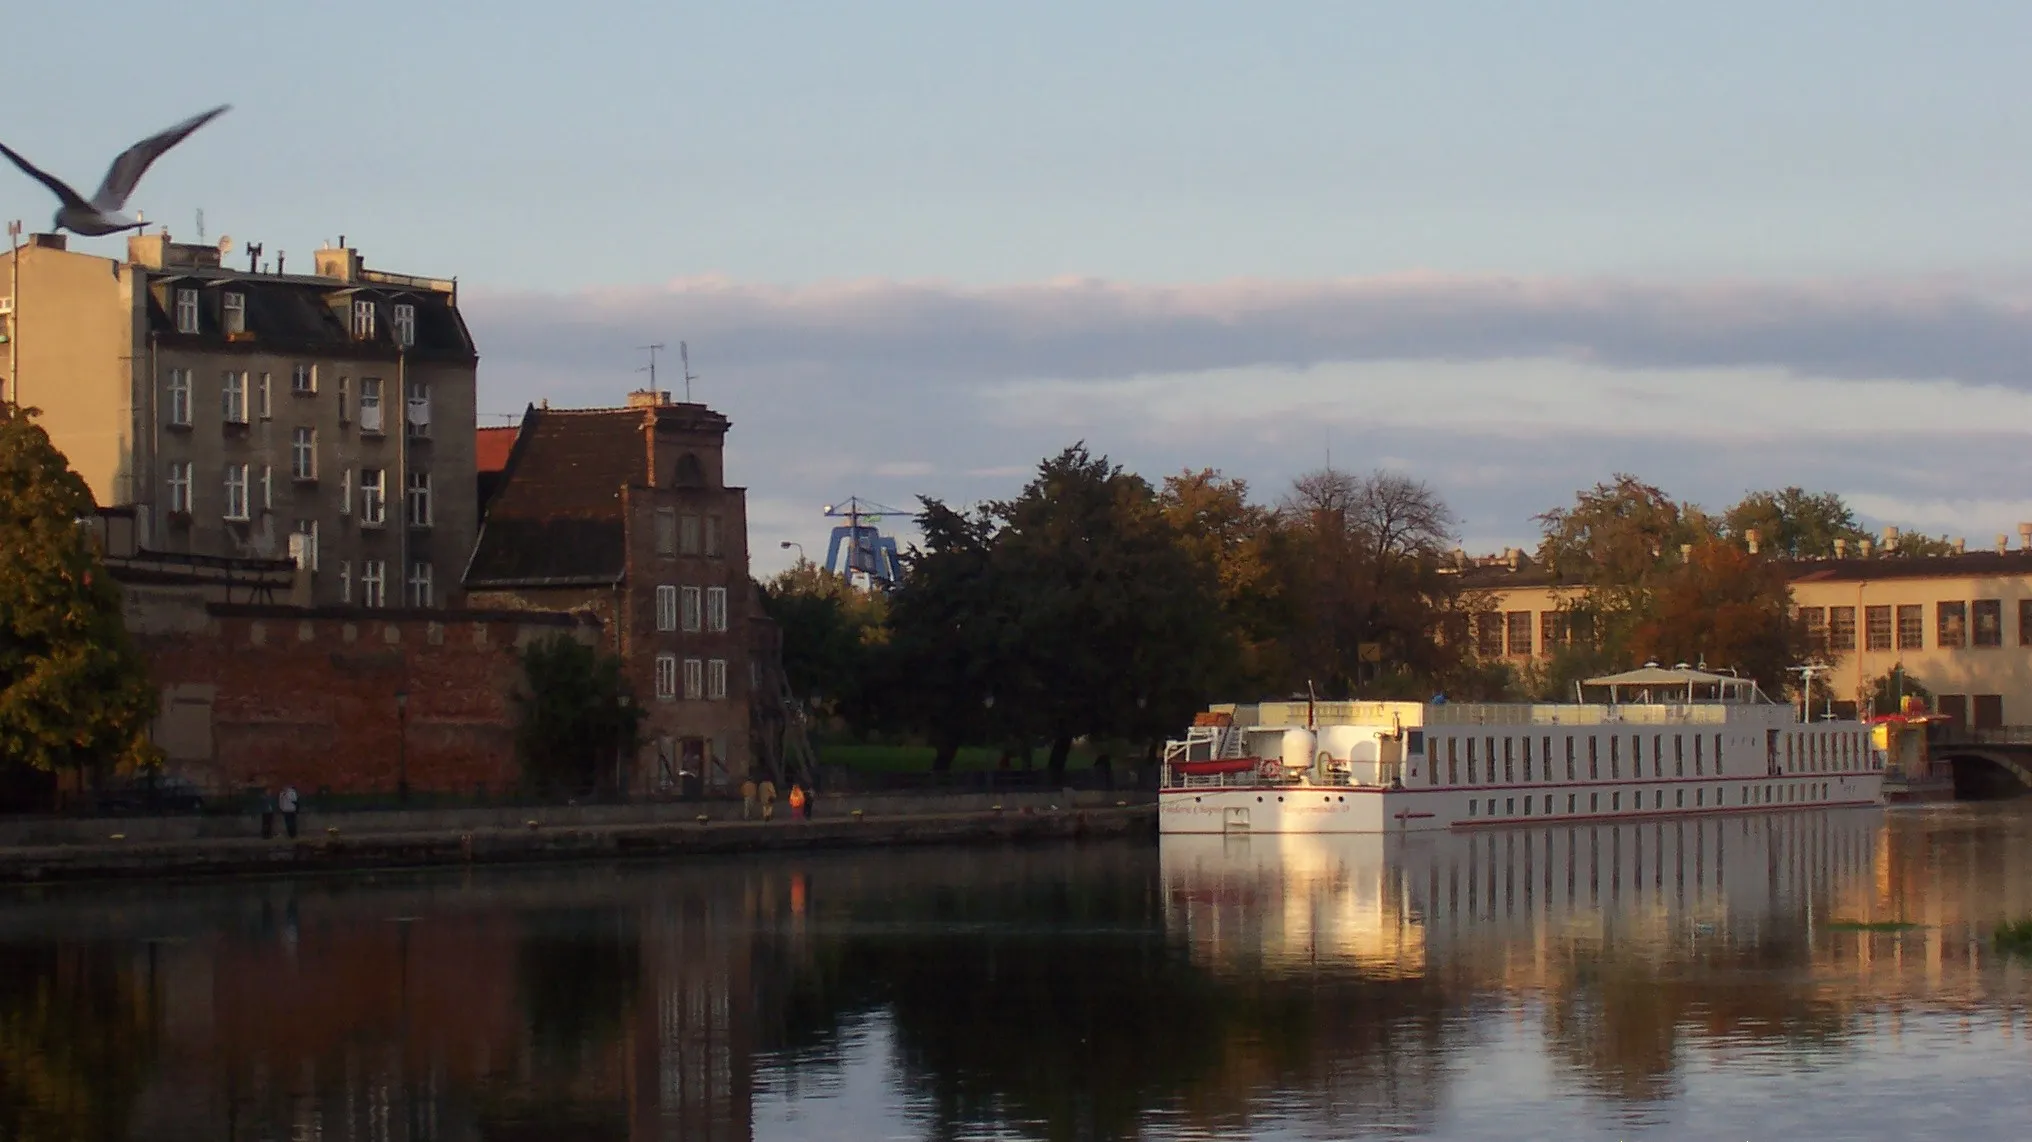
<point x="1986" y="712"/>
<point x="236" y="491"/>
<point x="694" y="678"/>
<point x="1841" y="629"/>
<point x="179" y="486"/>
<point x="1911" y="627"/>
<point x="2025" y="622"/>
<point x="186" y="311"/>
<point x="716" y="608"/>
<point x="419" y="409"/>
<point x="1519" y="633"/>
<point x="303" y="379"/>
<point x="1489" y="634"/>
<point x="1594" y="767"/>
<point x="345" y="491"/>
<point x="1551" y="631"/>
<point x="666" y="532"/>
<point x="373" y="497"/>
<point x="688" y="535"/>
<point x="370" y="404"/>
<point x="405" y="325"/>
<point x="363" y="318"/>
<point x="713" y="536"/>
<point x="235" y="309"/>
<point x="666" y="608"/>
<point x="233" y="397"/>
<point x="263" y="395"/>
<point x="1988" y="617"/>
<point x="1813" y="621"/>
<point x="1877" y="628"/>
<point x="666" y="677"/>
<point x="303" y="454"/>
<point x="345" y="581"/>
<point x="179" y="396"/>
<point x="419" y="499"/>
<point x="1951" y="624"/>
<point x="373" y="583"/>
<point x="419" y="584"/>
<point x="309" y="530"/>
<point x="1569" y="762"/>
<point x="691" y="608"/>
<point x="345" y="399"/>
<point x="716" y="679"/>
<point x="1954" y="706"/>
<point x="267" y="488"/>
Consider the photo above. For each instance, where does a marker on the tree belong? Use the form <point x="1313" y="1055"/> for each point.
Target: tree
<point x="1725" y="608"/>
<point x="577" y="715"/>
<point x="1887" y="694"/>
<point x="74" y="691"/>
<point x="1215" y="523"/>
<point x="950" y="632"/>
<point x="1795" y="523"/>
<point x="830" y="633"/>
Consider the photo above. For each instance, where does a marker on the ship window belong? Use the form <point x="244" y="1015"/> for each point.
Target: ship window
<point x="1699" y="798"/>
<point x="1698" y="769"/>
<point x="1509" y="806"/>
<point x="1594" y="767"/>
<point x="1471" y="761"/>
<point x="1718" y="754"/>
<point x="1615" y="757"/>
<point x="1548" y="807"/>
<point x="1569" y="762"/>
<point x="1570" y="801"/>
<point x="1417" y="741"/>
<point x="1527" y="809"/>
<point x="1679" y="798"/>
<point x="1509" y="765"/>
<point x="1616" y="802"/>
<point x="1545" y="745"/>
<point x="1594" y="802"/>
<point x="1679" y="755"/>
<point x="1472" y="804"/>
<point x="1658" y="756"/>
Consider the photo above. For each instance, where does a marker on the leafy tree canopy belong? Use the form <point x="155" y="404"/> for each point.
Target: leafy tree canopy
<point x="1795" y="523"/>
<point x="576" y="715"/>
<point x="74" y="692"/>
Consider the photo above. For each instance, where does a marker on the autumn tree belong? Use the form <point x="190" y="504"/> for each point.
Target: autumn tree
<point x="1723" y="607"/>
<point x="74" y="692"/>
<point x="1795" y="523"/>
<point x="1216" y="524"/>
<point x="831" y="632"/>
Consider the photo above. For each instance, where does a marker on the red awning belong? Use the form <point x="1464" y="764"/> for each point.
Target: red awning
<point x="1203" y="768"/>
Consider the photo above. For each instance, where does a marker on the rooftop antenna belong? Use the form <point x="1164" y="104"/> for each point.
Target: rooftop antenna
<point x="651" y="370"/>
<point x="201" y="225"/>
<point x="684" y="358"/>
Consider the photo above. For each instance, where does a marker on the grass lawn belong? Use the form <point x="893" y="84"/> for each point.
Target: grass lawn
<point x="917" y="758"/>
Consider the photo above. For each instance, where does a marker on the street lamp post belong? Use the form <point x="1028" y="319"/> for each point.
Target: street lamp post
<point x="402" y="746"/>
<point x="790" y="543"/>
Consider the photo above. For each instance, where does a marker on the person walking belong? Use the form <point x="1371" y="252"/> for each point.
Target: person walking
<point x="288" y="806"/>
<point x="768" y="793"/>
<point x="748" y="799"/>
<point x="797" y="803"/>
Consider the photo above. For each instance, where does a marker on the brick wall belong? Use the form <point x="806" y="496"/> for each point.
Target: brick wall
<point x="266" y="695"/>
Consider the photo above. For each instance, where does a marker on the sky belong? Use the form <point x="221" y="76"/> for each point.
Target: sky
<point x="1510" y="250"/>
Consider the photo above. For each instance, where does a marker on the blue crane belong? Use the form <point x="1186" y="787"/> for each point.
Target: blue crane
<point x="868" y="551"/>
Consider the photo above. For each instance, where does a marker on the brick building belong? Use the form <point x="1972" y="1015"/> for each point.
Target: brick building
<point x="625" y="513"/>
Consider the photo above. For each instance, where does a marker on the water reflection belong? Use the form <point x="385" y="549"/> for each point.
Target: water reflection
<point x="1533" y="981"/>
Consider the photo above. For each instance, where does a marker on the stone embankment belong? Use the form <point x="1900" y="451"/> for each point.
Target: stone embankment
<point x="107" y="849"/>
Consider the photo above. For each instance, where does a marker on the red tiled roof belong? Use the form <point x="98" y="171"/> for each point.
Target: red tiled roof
<point x="491" y="448"/>
<point x="555" y="514"/>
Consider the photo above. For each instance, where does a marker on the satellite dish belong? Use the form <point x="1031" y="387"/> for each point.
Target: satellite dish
<point x="225" y="244"/>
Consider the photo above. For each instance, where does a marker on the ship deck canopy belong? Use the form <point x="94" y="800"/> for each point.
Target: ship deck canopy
<point x="1652" y="684"/>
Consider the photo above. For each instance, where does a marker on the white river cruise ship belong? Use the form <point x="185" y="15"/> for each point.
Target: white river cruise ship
<point x="1656" y="741"/>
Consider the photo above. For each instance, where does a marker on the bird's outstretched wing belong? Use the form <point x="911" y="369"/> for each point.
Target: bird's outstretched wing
<point x="133" y="162"/>
<point x="70" y="197"/>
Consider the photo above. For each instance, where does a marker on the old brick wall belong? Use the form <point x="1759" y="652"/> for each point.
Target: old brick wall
<point x="307" y="696"/>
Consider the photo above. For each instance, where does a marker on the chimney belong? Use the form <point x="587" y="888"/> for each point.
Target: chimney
<point x="279" y="255"/>
<point x="1890" y="539"/>
<point x="1516" y="558"/>
<point x="49" y="241"/>
<point x="1865" y="545"/>
<point x="1960" y="545"/>
<point x="2003" y="543"/>
<point x="2025" y="537"/>
<point x="648" y="398"/>
<point x="1841" y="548"/>
<point x="1460" y="557"/>
<point x="340" y="262"/>
<point x="1750" y="537"/>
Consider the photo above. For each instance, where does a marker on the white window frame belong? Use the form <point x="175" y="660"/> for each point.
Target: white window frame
<point x="345" y="399"/>
<point x="308" y="528"/>
<point x="420" y="593"/>
<point x="267" y="487"/>
<point x="186" y="311"/>
<point x="716" y="608"/>
<point x="666" y="608"/>
<point x="370" y="405"/>
<point x="694" y="679"/>
<point x="691" y="609"/>
<point x="417" y="416"/>
<point x="418" y="498"/>
<point x="345" y="491"/>
<point x="666" y="677"/>
<point x="374" y="583"/>
<point x="373" y="497"/>
<point x="180" y="397"/>
<point x="363" y="318"/>
<point x="405" y="325"/>
<point x="265" y="394"/>
<point x="303" y="378"/>
<point x="233" y="396"/>
<point x="345" y="581"/>
<point x="303" y="453"/>
<point x="716" y="680"/>
<point x="236" y="492"/>
<point x="179" y="484"/>
<point x="233" y="313"/>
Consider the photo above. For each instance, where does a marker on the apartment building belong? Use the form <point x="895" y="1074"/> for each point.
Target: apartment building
<point x="1960" y="624"/>
<point x="252" y="412"/>
<point x="625" y="512"/>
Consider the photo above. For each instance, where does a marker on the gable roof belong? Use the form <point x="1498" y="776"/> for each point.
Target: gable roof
<point x="555" y="517"/>
<point x="491" y="447"/>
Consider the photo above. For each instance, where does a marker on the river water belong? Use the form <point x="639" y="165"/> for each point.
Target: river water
<point x="1675" y="979"/>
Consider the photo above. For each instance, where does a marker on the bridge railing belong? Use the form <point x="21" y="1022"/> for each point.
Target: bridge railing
<point x="1987" y="735"/>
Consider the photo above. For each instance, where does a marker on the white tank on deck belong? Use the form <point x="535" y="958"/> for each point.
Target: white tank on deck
<point x="1297" y="750"/>
<point x="1339" y="742"/>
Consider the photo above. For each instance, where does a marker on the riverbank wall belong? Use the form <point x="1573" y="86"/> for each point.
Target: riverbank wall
<point x="327" y="844"/>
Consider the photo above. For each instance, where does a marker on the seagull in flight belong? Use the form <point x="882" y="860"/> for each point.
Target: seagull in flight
<point x="101" y="214"/>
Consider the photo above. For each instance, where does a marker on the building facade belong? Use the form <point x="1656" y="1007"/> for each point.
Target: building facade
<point x="625" y="512"/>
<point x="246" y="413"/>
<point x="1959" y="624"/>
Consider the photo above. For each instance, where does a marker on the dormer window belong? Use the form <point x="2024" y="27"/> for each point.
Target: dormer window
<point x="235" y="311"/>
<point x="186" y="311"/>
<point x="405" y="326"/>
<point x="363" y="320"/>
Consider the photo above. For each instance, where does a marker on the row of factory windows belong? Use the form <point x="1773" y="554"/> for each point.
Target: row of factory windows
<point x="1956" y="624"/>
